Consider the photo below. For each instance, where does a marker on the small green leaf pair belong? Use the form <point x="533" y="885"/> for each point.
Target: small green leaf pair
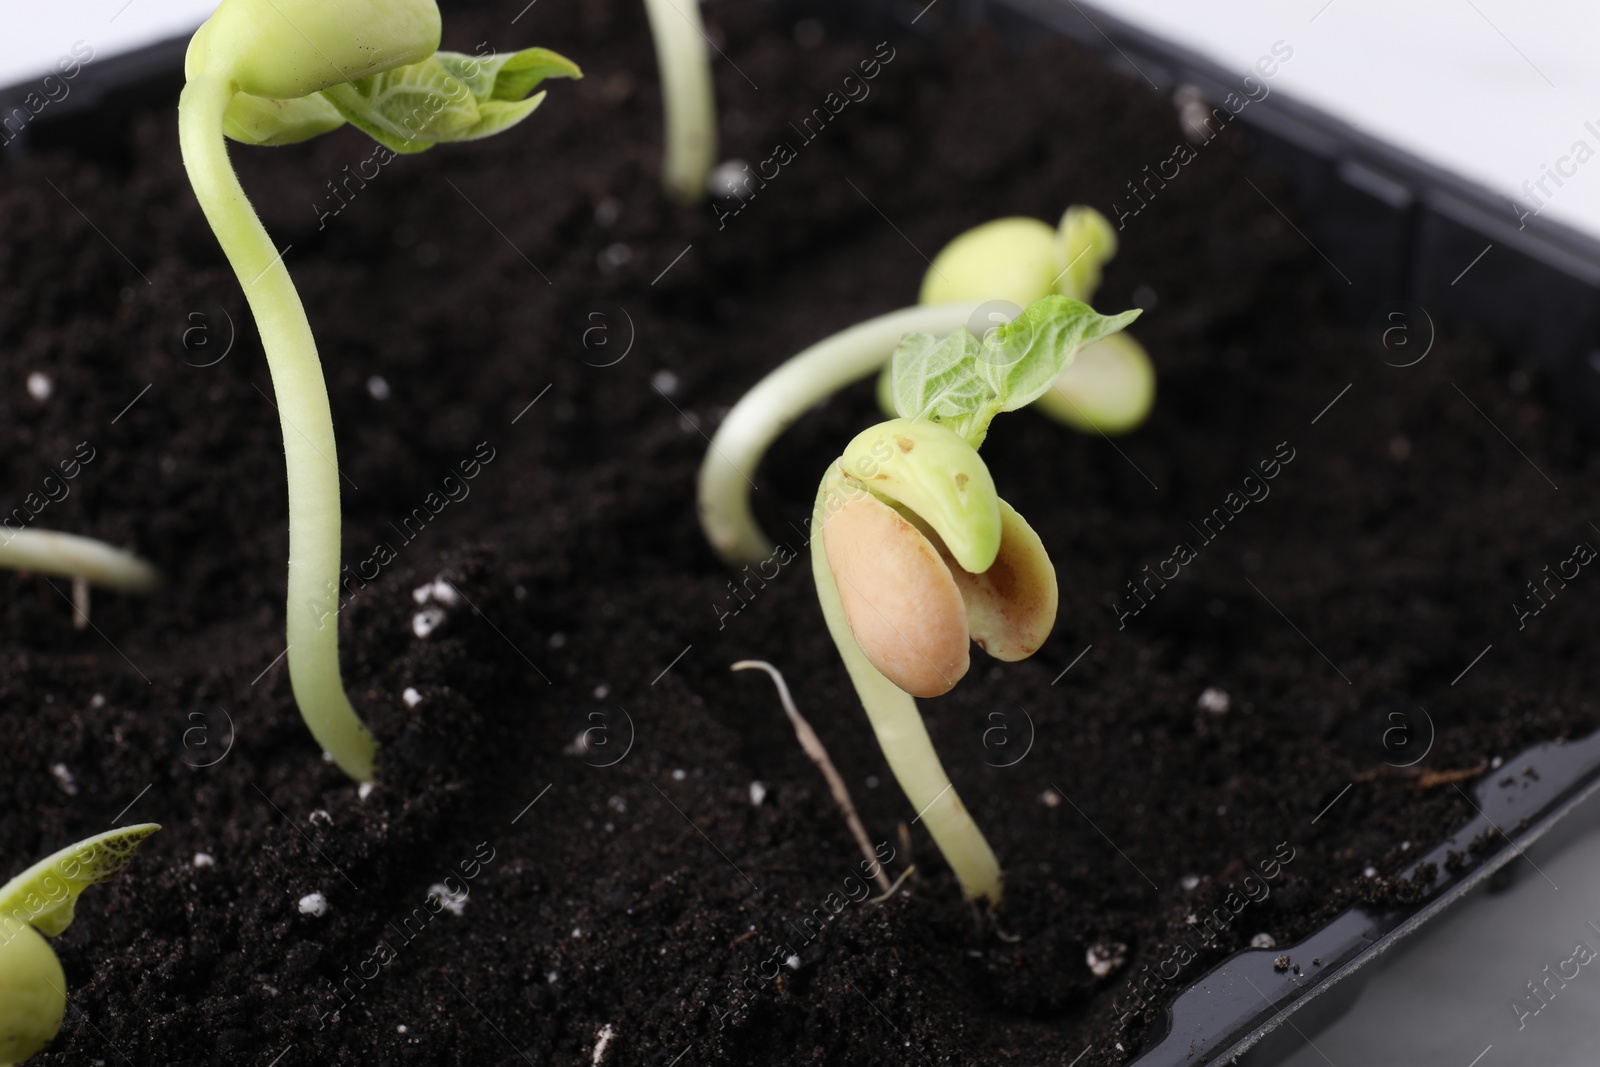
<point x="962" y="382"/>
<point x="448" y="96"/>
<point x="36" y="904"/>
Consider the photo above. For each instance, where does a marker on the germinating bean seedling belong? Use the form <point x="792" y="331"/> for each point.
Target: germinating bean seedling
<point x="915" y="555"/>
<point x="274" y="72"/>
<point x="978" y="282"/>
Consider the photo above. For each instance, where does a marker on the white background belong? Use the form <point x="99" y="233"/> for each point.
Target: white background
<point x="36" y="33"/>
<point x="1491" y="89"/>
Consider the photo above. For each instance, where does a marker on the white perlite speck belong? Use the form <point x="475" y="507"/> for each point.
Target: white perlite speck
<point x="64" y="779"/>
<point x="40" y="386"/>
<point x="1263" y="941"/>
<point x="601" y="1041"/>
<point x="451" y="900"/>
<point x="1213" y="700"/>
<point x="314" y="905"/>
<point x="435" y="596"/>
<point x="411" y="697"/>
<point x="439" y="591"/>
<point x="1190" y="882"/>
<point x="427" y="620"/>
<point x="614" y="257"/>
<point x="1106" y="957"/>
<point x="203" y="859"/>
<point x="728" y="178"/>
<point x="758" y="793"/>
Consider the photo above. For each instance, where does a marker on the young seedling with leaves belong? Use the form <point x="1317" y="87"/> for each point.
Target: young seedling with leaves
<point x="36" y="904"/>
<point x="915" y="555"/>
<point x="977" y="283"/>
<point x="274" y="72"/>
<point x="687" y="99"/>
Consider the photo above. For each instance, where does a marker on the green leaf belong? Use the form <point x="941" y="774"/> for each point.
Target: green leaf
<point x="511" y="76"/>
<point x="963" y="383"/>
<point x="1024" y="357"/>
<point x="43" y="896"/>
<point x="497" y="115"/>
<point x="939" y="380"/>
<point x="259" y="120"/>
<point x="448" y="97"/>
<point x="475" y="72"/>
<point x="410" y="108"/>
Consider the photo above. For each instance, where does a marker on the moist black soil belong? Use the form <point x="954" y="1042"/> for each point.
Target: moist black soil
<point x="543" y="268"/>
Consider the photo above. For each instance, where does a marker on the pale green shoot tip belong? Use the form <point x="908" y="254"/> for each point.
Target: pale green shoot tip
<point x="36" y="904"/>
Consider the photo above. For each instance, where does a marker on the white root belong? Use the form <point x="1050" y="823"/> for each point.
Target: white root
<point x="819" y="755"/>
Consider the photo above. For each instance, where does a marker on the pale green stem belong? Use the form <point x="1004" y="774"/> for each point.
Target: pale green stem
<point x="307" y="423"/>
<point x="686" y="97"/>
<point x="762" y="414"/>
<point x="71" y="556"/>
<point x="905" y="742"/>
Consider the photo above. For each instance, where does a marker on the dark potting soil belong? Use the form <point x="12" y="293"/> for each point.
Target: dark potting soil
<point x="459" y="287"/>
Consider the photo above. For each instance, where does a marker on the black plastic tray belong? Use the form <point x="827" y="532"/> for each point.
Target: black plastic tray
<point x="1401" y="230"/>
<point x="1242" y="1002"/>
<point x="1399" y="227"/>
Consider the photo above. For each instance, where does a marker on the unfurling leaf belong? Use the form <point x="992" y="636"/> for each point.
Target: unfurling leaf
<point x="1025" y="356"/>
<point x="938" y="380"/>
<point x="44" y="895"/>
<point x="510" y="76"/>
<point x="962" y="383"/>
<point x="448" y="97"/>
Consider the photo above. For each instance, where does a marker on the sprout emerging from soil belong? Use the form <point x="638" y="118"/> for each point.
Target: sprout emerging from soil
<point x="918" y="555"/>
<point x="78" y="558"/>
<point x="1111" y="386"/>
<point x="36" y="904"/>
<point x="274" y="72"/>
<point x="687" y="97"/>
